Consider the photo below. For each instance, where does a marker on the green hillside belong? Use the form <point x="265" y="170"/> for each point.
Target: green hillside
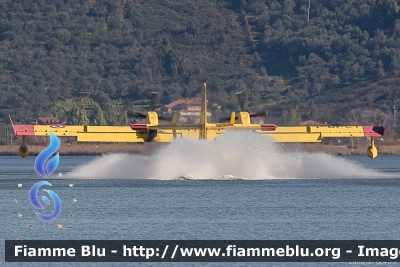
<point x="91" y="61"/>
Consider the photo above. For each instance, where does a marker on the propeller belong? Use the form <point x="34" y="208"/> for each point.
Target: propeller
<point x="132" y="114"/>
<point x="240" y="102"/>
<point x="142" y="115"/>
<point x="153" y="99"/>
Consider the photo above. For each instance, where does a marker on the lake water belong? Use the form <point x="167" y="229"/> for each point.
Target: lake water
<point x="194" y="190"/>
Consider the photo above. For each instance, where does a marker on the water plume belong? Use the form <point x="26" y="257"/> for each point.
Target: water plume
<point x="233" y="155"/>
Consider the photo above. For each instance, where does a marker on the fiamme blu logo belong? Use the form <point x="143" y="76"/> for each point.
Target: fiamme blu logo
<point x="44" y="166"/>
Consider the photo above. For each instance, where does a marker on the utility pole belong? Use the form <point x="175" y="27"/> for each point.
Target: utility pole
<point x="308" y="16"/>
<point x="394" y="114"/>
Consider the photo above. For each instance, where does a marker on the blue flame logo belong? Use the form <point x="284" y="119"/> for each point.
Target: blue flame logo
<point x="45" y="155"/>
<point x="50" y="168"/>
<point x="35" y="202"/>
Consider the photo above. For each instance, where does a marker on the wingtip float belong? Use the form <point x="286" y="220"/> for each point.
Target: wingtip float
<point x="152" y="131"/>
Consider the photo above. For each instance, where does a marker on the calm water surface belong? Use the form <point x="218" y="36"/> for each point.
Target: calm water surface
<point x="203" y="209"/>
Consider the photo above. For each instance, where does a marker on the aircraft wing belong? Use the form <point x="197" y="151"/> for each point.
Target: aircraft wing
<point x="135" y="133"/>
<point x="299" y="134"/>
<point x="167" y="132"/>
<point x="311" y="134"/>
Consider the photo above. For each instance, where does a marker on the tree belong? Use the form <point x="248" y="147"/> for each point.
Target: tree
<point x="77" y="116"/>
<point x="97" y="117"/>
<point x="291" y="117"/>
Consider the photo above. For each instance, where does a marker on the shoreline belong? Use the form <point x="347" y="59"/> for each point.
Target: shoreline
<point x="135" y="148"/>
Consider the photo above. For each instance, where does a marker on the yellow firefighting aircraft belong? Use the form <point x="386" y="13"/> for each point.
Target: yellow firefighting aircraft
<point x="151" y="131"/>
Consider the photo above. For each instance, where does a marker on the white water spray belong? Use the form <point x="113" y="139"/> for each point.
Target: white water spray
<point x="233" y="155"/>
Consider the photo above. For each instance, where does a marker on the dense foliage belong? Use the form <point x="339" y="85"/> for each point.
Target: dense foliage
<point x="90" y="61"/>
<point x="335" y="46"/>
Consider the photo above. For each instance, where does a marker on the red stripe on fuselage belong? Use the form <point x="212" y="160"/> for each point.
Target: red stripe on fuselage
<point x="373" y="131"/>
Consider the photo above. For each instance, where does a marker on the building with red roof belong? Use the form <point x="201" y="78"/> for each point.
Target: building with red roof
<point x="189" y="110"/>
<point x="48" y="121"/>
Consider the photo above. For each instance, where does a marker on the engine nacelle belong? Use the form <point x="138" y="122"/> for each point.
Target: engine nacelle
<point x="244" y="118"/>
<point x="23" y="151"/>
